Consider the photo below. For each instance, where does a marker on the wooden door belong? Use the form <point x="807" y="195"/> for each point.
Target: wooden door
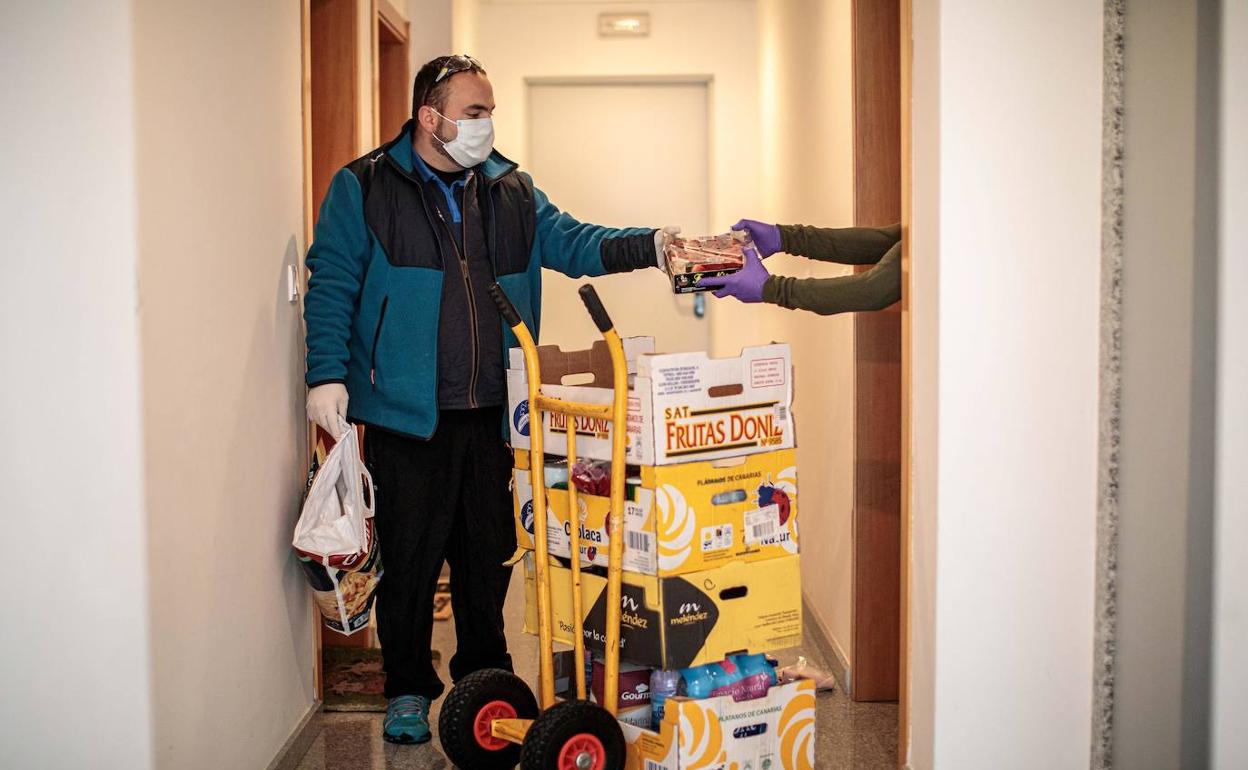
<point x="392" y="81"/>
<point x="877" y="361"/>
<point x="331" y="104"/>
<point x="333" y="53"/>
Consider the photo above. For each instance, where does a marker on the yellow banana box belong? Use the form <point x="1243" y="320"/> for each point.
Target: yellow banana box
<point x="775" y="732"/>
<point x="681" y="518"/>
<point x="682" y="407"/>
<point x="684" y="620"/>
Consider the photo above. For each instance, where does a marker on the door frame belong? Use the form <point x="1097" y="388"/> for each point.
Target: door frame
<point x="877" y="545"/>
<point x="349" y="32"/>
<point x="906" y="54"/>
<point x="382" y="13"/>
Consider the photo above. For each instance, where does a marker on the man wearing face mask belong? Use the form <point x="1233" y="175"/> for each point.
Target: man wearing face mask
<point x="403" y="337"/>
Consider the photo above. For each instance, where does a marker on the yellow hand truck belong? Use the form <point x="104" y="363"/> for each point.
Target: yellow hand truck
<point x="491" y="719"/>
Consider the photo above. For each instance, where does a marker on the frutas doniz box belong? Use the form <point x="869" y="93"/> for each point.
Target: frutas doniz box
<point x="681" y="518"/>
<point x="774" y="732"/>
<point x="681" y="406"/>
<point x="682" y="621"/>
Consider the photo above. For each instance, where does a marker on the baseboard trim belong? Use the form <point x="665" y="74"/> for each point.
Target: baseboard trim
<point x="827" y="645"/>
<point x="296" y="746"/>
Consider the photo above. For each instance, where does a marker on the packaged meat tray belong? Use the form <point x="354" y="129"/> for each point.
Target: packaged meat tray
<point x="689" y="260"/>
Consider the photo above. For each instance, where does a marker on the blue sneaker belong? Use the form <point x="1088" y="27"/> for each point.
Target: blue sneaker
<point x="407" y="719"/>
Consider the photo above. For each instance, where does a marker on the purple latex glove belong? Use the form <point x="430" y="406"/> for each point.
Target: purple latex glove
<point x="746" y="284"/>
<point x="766" y="237"/>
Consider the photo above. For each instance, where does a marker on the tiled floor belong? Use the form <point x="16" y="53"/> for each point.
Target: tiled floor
<point x="852" y="736"/>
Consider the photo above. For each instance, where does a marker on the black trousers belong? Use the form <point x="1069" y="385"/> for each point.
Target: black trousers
<point x="445" y="499"/>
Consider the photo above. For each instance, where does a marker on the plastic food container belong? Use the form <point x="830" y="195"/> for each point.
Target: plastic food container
<point x="689" y="260"/>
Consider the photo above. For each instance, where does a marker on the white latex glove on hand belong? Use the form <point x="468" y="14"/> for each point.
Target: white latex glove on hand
<point x="327" y="407"/>
<point x="662" y="237"/>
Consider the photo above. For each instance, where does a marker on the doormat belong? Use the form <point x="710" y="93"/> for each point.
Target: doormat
<point x="354" y="680"/>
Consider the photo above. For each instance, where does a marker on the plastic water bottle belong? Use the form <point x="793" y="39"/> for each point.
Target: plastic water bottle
<point x="725" y="677"/>
<point x="663" y="685"/>
<point x="757" y="677"/>
<point x="753" y="665"/>
<point x="695" y="682"/>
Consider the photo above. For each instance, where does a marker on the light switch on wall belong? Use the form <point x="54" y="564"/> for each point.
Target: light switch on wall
<point x="292" y="284"/>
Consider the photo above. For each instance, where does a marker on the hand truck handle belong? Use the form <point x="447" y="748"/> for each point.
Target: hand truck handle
<point x="505" y="308"/>
<point x="595" y="308"/>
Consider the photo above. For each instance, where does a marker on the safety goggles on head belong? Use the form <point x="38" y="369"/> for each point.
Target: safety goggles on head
<point x="457" y="63"/>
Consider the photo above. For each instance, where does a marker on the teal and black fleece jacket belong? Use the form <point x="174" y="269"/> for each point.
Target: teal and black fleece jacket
<point x="381" y="255"/>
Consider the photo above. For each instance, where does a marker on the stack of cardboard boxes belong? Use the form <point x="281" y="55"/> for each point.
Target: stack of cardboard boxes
<point x="710" y="528"/>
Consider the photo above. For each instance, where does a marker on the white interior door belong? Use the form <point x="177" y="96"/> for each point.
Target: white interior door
<point x="623" y="155"/>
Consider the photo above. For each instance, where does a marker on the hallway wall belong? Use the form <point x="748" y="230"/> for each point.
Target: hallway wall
<point x="806" y="111"/>
<point x="220" y="218"/>
<point x="781" y="136"/>
<point x="1006" y="294"/>
<point x="518" y="39"/>
<point x="1230" y="626"/>
<point x="1165" y="504"/>
<point x="430" y="24"/>
<point x="73" y="620"/>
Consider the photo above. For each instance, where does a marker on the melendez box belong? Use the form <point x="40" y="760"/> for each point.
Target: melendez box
<point x="684" y="620"/>
<point x="681" y="406"/>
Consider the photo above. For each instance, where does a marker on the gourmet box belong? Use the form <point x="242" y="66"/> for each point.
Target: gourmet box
<point x="682" y="407"/>
<point x="772" y="732"/>
<point x="679" y="518"/>
<point x="685" y="620"/>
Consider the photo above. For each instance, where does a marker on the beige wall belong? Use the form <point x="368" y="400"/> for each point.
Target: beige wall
<point x="518" y="39"/>
<point x="1230" y="625"/>
<point x="431" y="22"/>
<point x="465" y="21"/>
<point x="1161" y="393"/>
<point x="807" y="177"/>
<point x="924" y="298"/>
<point x="780" y="108"/>
<point x="1005" y="381"/>
<point x="74" y="678"/>
<point x="220" y="219"/>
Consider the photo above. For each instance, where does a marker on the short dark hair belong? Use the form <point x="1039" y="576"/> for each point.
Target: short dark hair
<point x="434" y="78"/>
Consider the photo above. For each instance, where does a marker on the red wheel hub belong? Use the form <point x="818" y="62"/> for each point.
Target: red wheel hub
<point x="482" y="726"/>
<point x="583" y="751"/>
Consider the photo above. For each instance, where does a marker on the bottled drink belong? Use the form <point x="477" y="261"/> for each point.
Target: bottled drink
<point x="695" y="682"/>
<point x="752" y="665"/>
<point x="724" y="677"/>
<point x="757" y="676"/>
<point x="663" y="685"/>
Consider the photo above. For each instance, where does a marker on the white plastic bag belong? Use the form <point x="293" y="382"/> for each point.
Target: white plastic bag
<point x="333" y="525"/>
<point x="335" y="538"/>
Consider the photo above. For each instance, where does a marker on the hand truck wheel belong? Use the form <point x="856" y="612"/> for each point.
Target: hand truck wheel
<point x="470" y="708"/>
<point x="574" y="735"/>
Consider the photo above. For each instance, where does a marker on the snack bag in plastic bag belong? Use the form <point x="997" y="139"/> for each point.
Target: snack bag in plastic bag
<point x="334" y="537"/>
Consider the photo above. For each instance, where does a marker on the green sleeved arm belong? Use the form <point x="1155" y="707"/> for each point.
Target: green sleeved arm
<point x="846" y="245"/>
<point x="875" y="289"/>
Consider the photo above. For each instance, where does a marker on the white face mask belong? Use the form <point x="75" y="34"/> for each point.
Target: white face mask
<point x="472" y="145"/>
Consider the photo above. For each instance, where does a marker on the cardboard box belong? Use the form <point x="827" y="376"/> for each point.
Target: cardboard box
<point x="633" y="707"/>
<point x="682" y="407"/>
<point x="683" y="518"/>
<point x="682" y="621"/>
<point x="775" y="732"/>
